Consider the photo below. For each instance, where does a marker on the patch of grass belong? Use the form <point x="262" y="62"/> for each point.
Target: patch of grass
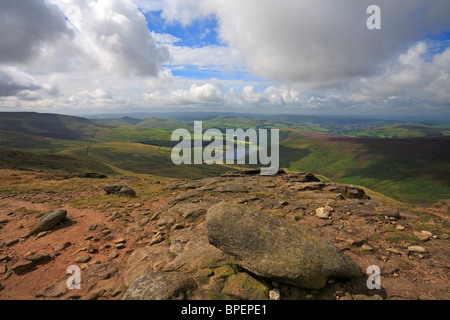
<point x="402" y="236"/>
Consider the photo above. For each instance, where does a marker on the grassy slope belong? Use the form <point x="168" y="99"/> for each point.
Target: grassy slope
<point x="407" y="169"/>
<point x="14" y="159"/>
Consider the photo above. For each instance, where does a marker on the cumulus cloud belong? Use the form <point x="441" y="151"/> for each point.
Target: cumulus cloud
<point x="317" y="43"/>
<point x="412" y="78"/>
<point x="209" y="93"/>
<point x="26" y="26"/>
<point x="114" y="36"/>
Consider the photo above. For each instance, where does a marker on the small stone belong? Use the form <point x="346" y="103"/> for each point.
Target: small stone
<point x="274" y="294"/>
<point x="366" y="247"/>
<point x="400" y="228"/>
<point x="22" y="266"/>
<point x="62" y="246"/>
<point x="83" y="259"/>
<point x="309" y="297"/>
<point x="113" y="255"/>
<point x="417" y="249"/>
<point x="322" y="213"/>
<point x="92" y="226"/>
<point x="120" y="240"/>
<point x="92" y="249"/>
<point x="12" y="242"/>
<point x="427" y="233"/>
<point x="394" y="251"/>
<point x="156" y="240"/>
<point x="41" y="234"/>
<point x="421" y="236"/>
<point x="120" y="245"/>
<point x="38" y="257"/>
<point x="443" y="236"/>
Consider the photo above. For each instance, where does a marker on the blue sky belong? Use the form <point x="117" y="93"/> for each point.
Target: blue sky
<point x="262" y="56"/>
<point x="199" y="33"/>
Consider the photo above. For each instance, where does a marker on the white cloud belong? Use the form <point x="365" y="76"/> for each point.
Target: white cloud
<point x="26" y="27"/>
<point x="114" y="36"/>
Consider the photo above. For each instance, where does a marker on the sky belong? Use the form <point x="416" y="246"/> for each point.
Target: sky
<point x="253" y="56"/>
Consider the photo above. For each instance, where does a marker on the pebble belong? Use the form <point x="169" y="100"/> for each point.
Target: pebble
<point x="83" y="259"/>
<point x="62" y="246"/>
<point x="120" y="245"/>
<point x="274" y="294"/>
<point x="421" y="236"/>
<point x="12" y="242"/>
<point x="366" y="247"/>
<point x="22" y="265"/>
<point x="322" y="213"/>
<point x="427" y="233"/>
<point x="400" y="228"/>
<point x="417" y="249"/>
<point x="41" y="234"/>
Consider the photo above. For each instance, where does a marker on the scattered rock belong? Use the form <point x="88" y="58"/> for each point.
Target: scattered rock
<point x="274" y="249"/>
<point x="322" y="213"/>
<point x="120" y="190"/>
<point x="62" y="246"/>
<point x="83" y="259"/>
<point x="12" y="242"/>
<point x="92" y="249"/>
<point x="111" y="189"/>
<point x="417" y="249"/>
<point x="22" y="266"/>
<point x="160" y="286"/>
<point x="42" y="234"/>
<point x="400" y="228"/>
<point x="128" y="192"/>
<point x="274" y="294"/>
<point x="38" y="257"/>
<point x="421" y="236"/>
<point x="48" y="221"/>
<point x="366" y="247"/>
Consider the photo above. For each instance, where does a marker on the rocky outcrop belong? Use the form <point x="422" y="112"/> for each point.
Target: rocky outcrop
<point x="274" y="249"/>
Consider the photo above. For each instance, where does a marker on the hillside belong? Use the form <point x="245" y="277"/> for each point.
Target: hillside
<point x="170" y="242"/>
<point x="14" y="159"/>
<point x="408" y="161"/>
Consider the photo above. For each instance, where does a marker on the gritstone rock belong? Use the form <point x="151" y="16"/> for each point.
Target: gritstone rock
<point x="274" y="249"/>
<point x="159" y="286"/>
<point x="48" y="221"/>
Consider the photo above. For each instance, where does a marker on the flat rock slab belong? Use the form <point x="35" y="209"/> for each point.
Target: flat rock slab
<point x="159" y="286"/>
<point x="48" y="221"/>
<point x="276" y="250"/>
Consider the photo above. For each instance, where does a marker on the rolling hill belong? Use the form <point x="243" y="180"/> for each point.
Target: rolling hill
<point x="407" y="161"/>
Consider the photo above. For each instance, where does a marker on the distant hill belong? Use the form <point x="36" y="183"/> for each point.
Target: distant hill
<point x="40" y="130"/>
<point x="14" y="159"/>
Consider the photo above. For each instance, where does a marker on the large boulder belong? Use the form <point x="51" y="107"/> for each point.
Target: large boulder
<point x="274" y="249"/>
<point x="48" y="221"/>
